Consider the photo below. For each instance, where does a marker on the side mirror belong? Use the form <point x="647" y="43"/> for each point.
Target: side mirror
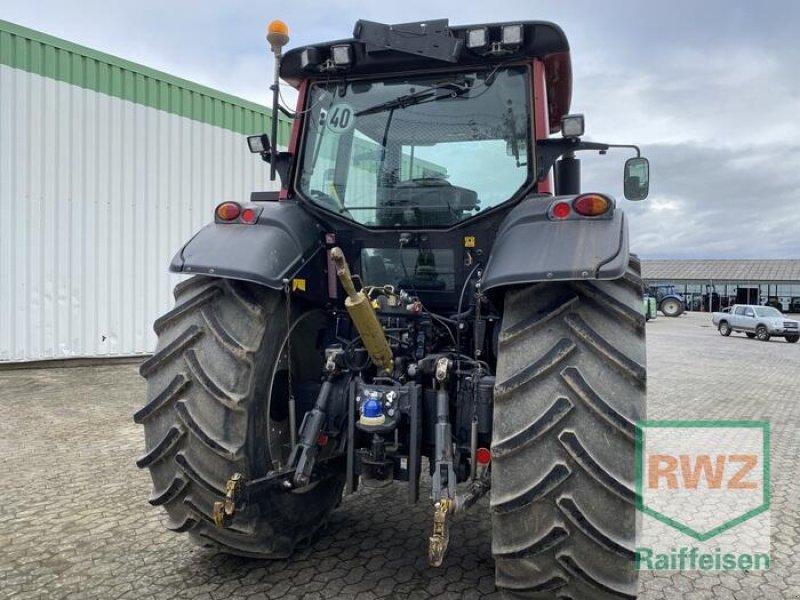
<point x="637" y="178"/>
<point x="259" y="144"/>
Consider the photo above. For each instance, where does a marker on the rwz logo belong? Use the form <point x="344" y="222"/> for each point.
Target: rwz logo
<point x="691" y="471"/>
<point x="702" y="478"/>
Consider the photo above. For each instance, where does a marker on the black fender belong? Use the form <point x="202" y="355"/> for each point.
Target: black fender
<point x="531" y="247"/>
<point x="283" y="239"/>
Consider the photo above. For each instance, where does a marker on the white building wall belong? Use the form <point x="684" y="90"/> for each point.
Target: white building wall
<point x="97" y="194"/>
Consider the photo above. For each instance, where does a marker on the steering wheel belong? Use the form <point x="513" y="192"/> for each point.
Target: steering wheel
<point x="329" y="202"/>
<point x="425" y="182"/>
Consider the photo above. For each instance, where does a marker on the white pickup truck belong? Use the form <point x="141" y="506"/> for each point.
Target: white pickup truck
<point x="762" y="322"/>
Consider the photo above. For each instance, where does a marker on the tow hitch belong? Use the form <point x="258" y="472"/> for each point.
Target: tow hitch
<point x="447" y="501"/>
<point x="224" y="510"/>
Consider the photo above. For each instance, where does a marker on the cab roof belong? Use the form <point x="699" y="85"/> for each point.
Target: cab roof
<point x="379" y="49"/>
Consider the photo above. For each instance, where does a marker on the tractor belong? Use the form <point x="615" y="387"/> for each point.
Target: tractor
<point x="429" y="299"/>
<point x="669" y="301"/>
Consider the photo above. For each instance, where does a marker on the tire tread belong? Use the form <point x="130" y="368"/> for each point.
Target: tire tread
<point x="572" y="384"/>
<point x="202" y="421"/>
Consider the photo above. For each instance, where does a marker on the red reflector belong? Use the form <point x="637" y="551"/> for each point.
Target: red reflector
<point x="591" y="205"/>
<point x="322" y="440"/>
<point x="249" y="216"/>
<point x="483" y="456"/>
<point x="561" y="210"/>
<point x="228" y="211"/>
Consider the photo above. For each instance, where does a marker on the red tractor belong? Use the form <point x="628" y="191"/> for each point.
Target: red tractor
<point x="430" y="291"/>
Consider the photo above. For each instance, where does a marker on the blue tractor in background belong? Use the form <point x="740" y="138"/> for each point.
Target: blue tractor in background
<point x="668" y="300"/>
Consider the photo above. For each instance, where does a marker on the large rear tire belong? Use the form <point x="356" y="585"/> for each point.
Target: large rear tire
<point x="571" y="385"/>
<point x="216" y="404"/>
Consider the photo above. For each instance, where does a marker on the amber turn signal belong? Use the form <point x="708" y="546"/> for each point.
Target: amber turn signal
<point x="591" y="205"/>
<point x="228" y="211"/>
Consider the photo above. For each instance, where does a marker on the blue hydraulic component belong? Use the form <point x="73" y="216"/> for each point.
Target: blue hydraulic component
<point x="372" y="410"/>
<point x="372" y="406"/>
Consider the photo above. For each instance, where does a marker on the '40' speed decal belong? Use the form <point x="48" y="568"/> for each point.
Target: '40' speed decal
<point x="341" y="117"/>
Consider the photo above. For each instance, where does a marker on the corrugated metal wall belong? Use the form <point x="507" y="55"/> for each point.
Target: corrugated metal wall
<point x="106" y="169"/>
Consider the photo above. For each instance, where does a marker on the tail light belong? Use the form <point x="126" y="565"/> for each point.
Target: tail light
<point x="249" y="216"/>
<point x="228" y="211"/>
<point x="233" y="212"/>
<point x="591" y="205"/>
<point x="561" y="210"/>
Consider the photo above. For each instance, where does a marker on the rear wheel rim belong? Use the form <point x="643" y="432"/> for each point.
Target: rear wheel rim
<point x="670" y="307"/>
<point x="306" y="366"/>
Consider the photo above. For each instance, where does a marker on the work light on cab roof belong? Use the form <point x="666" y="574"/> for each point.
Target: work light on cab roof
<point x="497" y="42"/>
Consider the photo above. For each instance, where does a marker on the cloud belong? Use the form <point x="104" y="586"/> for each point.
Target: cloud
<point x="710" y="202"/>
<point x="707" y="89"/>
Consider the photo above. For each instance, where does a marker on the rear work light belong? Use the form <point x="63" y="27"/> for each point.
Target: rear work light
<point x="228" y="211"/>
<point x="341" y="55"/>
<point x="591" y="205"/>
<point x="572" y="125"/>
<point x="309" y="58"/>
<point x="478" y="38"/>
<point x="512" y="35"/>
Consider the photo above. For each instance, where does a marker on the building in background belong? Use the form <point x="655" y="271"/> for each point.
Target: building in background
<point x="711" y="284"/>
<point x="106" y="168"/>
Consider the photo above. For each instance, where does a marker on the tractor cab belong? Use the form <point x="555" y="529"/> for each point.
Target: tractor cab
<point x="420" y="125"/>
<point x="423" y="125"/>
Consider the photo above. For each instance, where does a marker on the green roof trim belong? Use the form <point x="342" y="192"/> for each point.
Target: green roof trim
<point x="48" y="56"/>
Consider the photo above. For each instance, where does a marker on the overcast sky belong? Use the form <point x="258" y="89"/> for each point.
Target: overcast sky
<point x="709" y="89"/>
